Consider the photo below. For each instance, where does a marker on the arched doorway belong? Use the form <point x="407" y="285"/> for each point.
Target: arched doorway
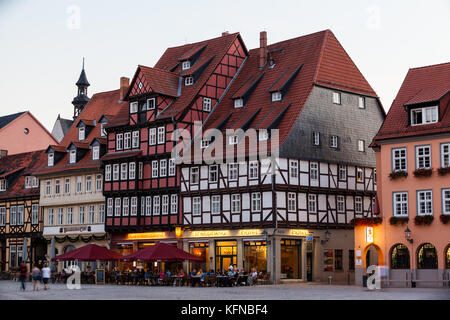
<point x="373" y="256"/>
<point x="400" y="258"/>
<point x="447" y="257"/>
<point x="427" y="257"/>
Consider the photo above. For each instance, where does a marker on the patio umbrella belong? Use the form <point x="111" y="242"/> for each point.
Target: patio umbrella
<point x="52" y="253"/>
<point x="90" y="252"/>
<point x="25" y="250"/>
<point x="161" y="252"/>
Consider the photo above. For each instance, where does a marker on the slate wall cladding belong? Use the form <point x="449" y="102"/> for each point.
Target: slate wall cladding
<point x="347" y="121"/>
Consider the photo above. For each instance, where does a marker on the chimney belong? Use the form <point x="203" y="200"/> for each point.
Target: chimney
<point x="3" y="153"/>
<point x="225" y="33"/>
<point x="262" y="48"/>
<point x="124" y="84"/>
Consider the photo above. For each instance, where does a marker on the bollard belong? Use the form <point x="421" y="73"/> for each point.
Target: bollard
<point x="329" y="279"/>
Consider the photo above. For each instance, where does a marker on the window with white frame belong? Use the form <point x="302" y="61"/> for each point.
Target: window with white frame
<point x="156" y="205"/>
<point x="253" y="170"/>
<point x="399" y="162"/>
<point x="132" y="170"/>
<point x="13" y="215"/>
<point x="263" y="135"/>
<point x="359" y="175"/>
<point x="232" y="140"/>
<point x="2" y="216"/>
<point x="276" y="96"/>
<point x="101" y="213"/>
<point x="204" y="143"/>
<point x="256" y="202"/>
<point x="233" y="171"/>
<point x="88" y="184"/>
<point x="206" y="104"/>
<point x="60" y="216"/>
<point x="334" y="142"/>
<point x="109" y="209"/>
<point x="141" y="170"/>
<point x="424" y="202"/>
<point x="196" y="206"/>
<point x="426" y="115"/>
<point x="152" y="136"/>
<point x="116" y="172"/>
<point x="142" y="206"/>
<point x="162" y="167"/>
<point x="91" y="214"/>
<point x="73" y="156"/>
<point x="238" y="103"/>
<point x="342" y="172"/>
<point x="161" y="135"/>
<point x="3" y="184"/>
<point x="336" y="97"/>
<point x="48" y="187"/>
<point x="135" y="142"/>
<point x="213" y="173"/>
<point x="108" y="172"/>
<point x="151" y="103"/>
<point x="50" y="159"/>
<point x="423" y="157"/>
<point x="215" y="204"/>
<point x="446" y="201"/>
<point x="361" y="146"/>
<point x="445" y="155"/>
<point x="20" y="215"/>
<point x="127" y="140"/>
<point x="292" y="202"/>
<point x="194" y="179"/>
<point x="117" y="209"/>
<point x="125" y="206"/>
<point x="81" y="215"/>
<point x="70" y="215"/>
<point x="316" y="138"/>
<point x="98" y="182"/>
<point x="362" y="102"/>
<point x="358" y="204"/>
<point x="95" y="153"/>
<point x="133" y="206"/>
<point x="165" y="204"/>
<point x="119" y="141"/>
<point x="148" y="206"/>
<point x="155" y="169"/>
<point x="312" y="203"/>
<point x="400" y="204"/>
<point x="186" y="65"/>
<point x="50" y="216"/>
<point x="133" y="107"/>
<point x="123" y="171"/>
<point x="314" y="171"/>
<point x="293" y="169"/>
<point x="235" y="203"/>
<point x="171" y="167"/>
<point x="189" y="81"/>
<point x="340" y="204"/>
<point x="102" y="130"/>
<point x="57" y="186"/>
<point x="81" y="133"/>
<point x="31" y="182"/>
<point x="174" y="203"/>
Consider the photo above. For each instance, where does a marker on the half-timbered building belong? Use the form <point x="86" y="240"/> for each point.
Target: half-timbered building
<point x="20" y="218"/>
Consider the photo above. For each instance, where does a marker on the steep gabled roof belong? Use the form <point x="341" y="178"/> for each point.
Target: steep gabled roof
<point x="421" y="85"/>
<point x="5" y="120"/>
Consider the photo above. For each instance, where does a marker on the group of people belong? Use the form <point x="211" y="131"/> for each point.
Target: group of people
<point x="231" y="277"/>
<point x="37" y="275"/>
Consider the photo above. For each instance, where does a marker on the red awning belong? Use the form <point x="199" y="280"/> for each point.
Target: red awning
<point x="90" y="252"/>
<point x="161" y="252"/>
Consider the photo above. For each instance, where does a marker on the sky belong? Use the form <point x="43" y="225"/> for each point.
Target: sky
<point x="42" y="43"/>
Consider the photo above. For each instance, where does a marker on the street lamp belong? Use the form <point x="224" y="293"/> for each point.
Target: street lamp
<point x="408" y="235"/>
<point x="327" y="237"/>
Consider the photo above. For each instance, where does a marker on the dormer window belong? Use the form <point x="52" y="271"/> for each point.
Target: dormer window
<point x="95" y="153"/>
<point x="133" y="107"/>
<point x="238" y="103"/>
<point x="50" y="159"/>
<point x="73" y="156"/>
<point x="3" y="184"/>
<point x="206" y="104"/>
<point x="102" y="130"/>
<point x="233" y="140"/>
<point x="31" y="182"/>
<point x="186" y="65"/>
<point x="426" y="115"/>
<point x="204" y="144"/>
<point x="188" y="81"/>
<point x="276" y="96"/>
<point x="81" y="133"/>
<point x="151" y="104"/>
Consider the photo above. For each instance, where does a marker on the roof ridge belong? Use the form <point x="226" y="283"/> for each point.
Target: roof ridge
<point x="430" y="66"/>
<point x="199" y="42"/>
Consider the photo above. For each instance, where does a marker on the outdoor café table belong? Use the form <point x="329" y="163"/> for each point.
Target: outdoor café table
<point x="195" y="280"/>
<point x="176" y="280"/>
<point x="222" y="281"/>
<point x="242" y="279"/>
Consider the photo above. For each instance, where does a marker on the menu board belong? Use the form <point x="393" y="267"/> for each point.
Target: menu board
<point x="328" y="260"/>
<point x="100" y="276"/>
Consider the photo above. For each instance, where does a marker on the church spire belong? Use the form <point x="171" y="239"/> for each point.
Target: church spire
<point x="81" y="99"/>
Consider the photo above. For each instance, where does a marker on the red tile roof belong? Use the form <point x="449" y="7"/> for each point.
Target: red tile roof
<point x="161" y="81"/>
<point x="23" y="164"/>
<point x="423" y="84"/>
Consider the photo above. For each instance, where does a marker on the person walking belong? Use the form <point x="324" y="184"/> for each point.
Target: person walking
<point x="36" y="275"/>
<point x="23" y="274"/>
<point x="46" y="275"/>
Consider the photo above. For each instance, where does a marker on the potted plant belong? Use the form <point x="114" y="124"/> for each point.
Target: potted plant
<point x="444" y="170"/>
<point x="369" y="221"/>
<point x="423" y="220"/>
<point x="445" y="218"/>
<point x="398" y="174"/>
<point x="396" y="220"/>
<point x="422" y="172"/>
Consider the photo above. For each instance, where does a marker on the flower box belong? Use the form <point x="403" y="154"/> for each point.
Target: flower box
<point x="445" y="218"/>
<point x="444" y="170"/>
<point x="366" y="221"/>
<point x="423" y="220"/>
<point x="397" y="220"/>
<point x="398" y="174"/>
<point x="423" y="172"/>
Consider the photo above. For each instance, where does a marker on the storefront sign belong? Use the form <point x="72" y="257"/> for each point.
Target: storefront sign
<point x="254" y="232"/>
<point x="369" y="234"/>
<point x="299" y="232"/>
<point x="146" y="235"/>
<point x="215" y="233"/>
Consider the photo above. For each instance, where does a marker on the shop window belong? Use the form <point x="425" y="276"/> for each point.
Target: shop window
<point x="226" y="254"/>
<point x="427" y="257"/>
<point x="338" y="254"/>
<point x="201" y="250"/>
<point x="447" y="258"/>
<point x="291" y="259"/>
<point x="400" y="257"/>
<point x="255" y="256"/>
